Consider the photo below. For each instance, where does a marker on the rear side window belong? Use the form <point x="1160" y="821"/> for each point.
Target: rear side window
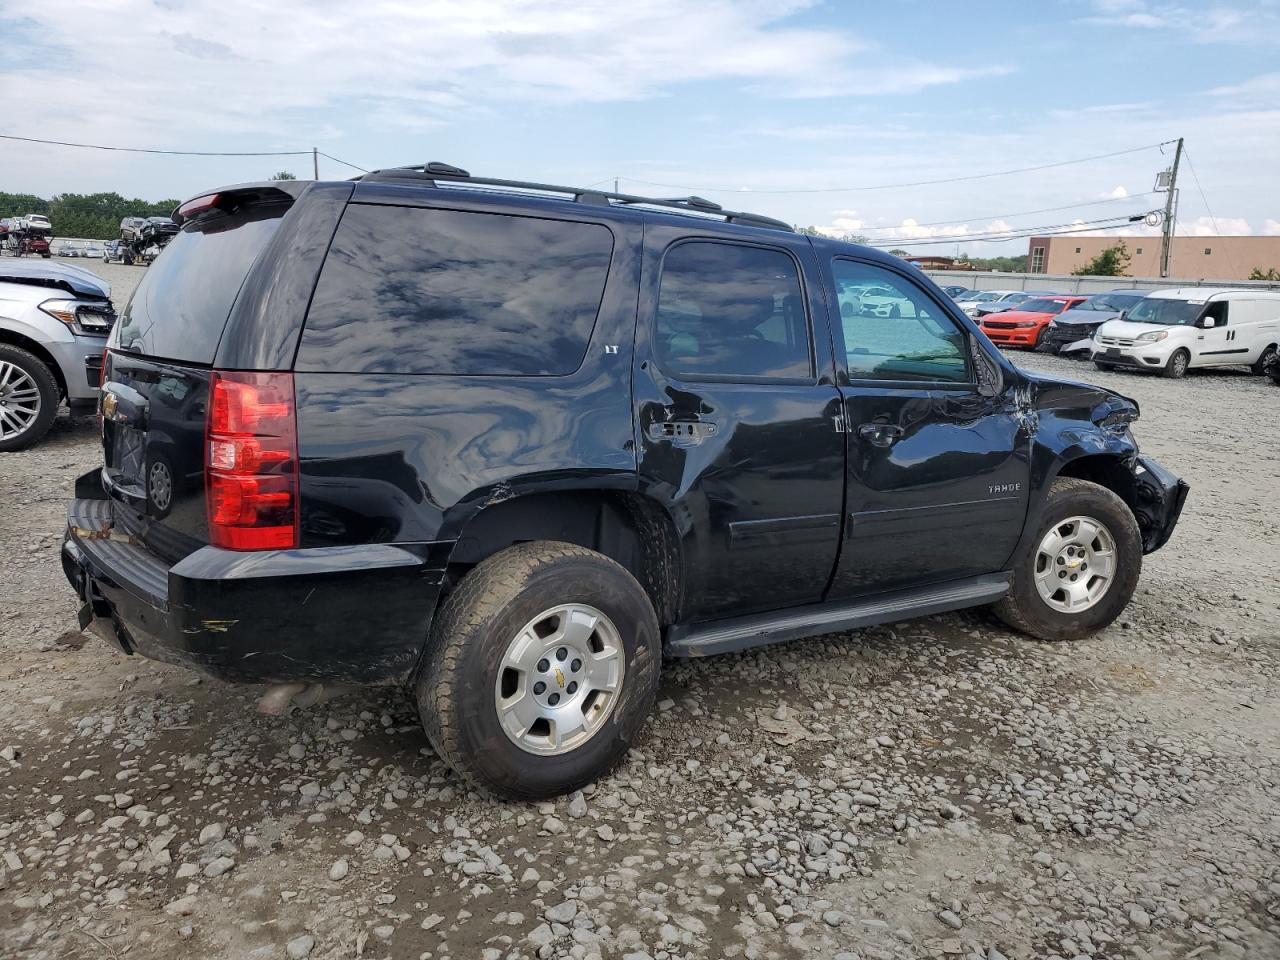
<point x="183" y="301"/>
<point x="425" y="291"/>
<point x="731" y="311"/>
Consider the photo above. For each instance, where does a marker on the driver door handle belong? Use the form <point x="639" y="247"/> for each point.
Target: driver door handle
<point x="880" y="434"/>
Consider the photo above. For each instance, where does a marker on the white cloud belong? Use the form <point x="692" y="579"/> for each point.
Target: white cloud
<point x="1256" y="24"/>
<point x="1271" y="228"/>
<point x="214" y="70"/>
<point x="846" y="222"/>
<point x="1208" y="227"/>
<point x="1119" y="193"/>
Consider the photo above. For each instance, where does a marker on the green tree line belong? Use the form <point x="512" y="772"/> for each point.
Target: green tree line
<point x="94" y="216"/>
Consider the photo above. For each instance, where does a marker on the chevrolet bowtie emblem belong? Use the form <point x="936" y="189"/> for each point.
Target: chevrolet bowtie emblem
<point x="560" y="677"/>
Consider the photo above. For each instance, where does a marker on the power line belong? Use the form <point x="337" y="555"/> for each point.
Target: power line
<point x="895" y="186"/>
<point x="1023" y="213"/>
<point x="1022" y="233"/>
<point x="345" y="163"/>
<point x="174" y="153"/>
<point x="1212" y="219"/>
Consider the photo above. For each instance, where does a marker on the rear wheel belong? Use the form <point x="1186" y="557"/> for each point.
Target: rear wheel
<point x="542" y="666"/>
<point x="1178" y="365"/>
<point x="1081" y="567"/>
<point x="28" y="398"/>
<point x="1266" y="361"/>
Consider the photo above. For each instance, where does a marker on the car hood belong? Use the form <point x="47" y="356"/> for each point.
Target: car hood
<point x="1060" y="393"/>
<point x="60" y="276"/>
<point x="1129" y="329"/>
<point x="1092" y="317"/>
<point x="1008" y="315"/>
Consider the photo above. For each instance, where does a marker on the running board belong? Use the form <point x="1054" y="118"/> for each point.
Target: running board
<point x="741" y="633"/>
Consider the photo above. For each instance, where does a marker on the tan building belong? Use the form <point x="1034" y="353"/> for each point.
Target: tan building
<point x="1193" y="258"/>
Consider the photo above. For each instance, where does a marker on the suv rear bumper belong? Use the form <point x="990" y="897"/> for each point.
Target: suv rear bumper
<point x="356" y="614"/>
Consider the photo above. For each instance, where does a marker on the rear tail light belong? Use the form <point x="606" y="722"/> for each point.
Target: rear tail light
<point x="251" y="461"/>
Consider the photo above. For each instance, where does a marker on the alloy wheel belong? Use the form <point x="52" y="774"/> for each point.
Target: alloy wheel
<point x="559" y="679"/>
<point x="19" y="401"/>
<point x="1075" y="564"/>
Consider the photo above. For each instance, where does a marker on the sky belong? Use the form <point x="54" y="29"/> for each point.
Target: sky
<point x="818" y="113"/>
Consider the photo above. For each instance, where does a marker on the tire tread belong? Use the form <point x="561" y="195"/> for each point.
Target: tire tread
<point x="481" y="594"/>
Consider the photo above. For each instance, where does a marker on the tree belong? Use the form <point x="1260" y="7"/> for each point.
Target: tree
<point x="899" y="252"/>
<point x="94" y="216"/>
<point x="283" y="175"/>
<point x="1271" y="273"/>
<point x="1111" y="262"/>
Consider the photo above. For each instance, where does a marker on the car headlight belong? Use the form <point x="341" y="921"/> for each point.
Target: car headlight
<point x="1025" y="323"/>
<point x="82" y="316"/>
<point x="1153" y="336"/>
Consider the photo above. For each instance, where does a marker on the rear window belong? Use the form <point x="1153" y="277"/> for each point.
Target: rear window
<point x="731" y="311"/>
<point x="425" y="291"/>
<point x="183" y="301"/>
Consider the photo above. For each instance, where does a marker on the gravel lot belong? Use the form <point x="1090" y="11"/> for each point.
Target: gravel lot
<point x="937" y="788"/>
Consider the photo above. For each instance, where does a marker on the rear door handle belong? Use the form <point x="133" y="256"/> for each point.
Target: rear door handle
<point x="880" y="434"/>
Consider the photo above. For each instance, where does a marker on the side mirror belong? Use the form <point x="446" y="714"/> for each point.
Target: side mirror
<point x="1207" y="323"/>
<point x="989" y="375"/>
<point x="1124" y="315"/>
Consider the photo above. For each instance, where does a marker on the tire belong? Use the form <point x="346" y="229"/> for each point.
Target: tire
<point x="161" y="485"/>
<point x="502" y="598"/>
<point x="21" y="371"/>
<point x="1027" y="610"/>
<point x="1178" y="365"/>
<point x="1265" y="360"/>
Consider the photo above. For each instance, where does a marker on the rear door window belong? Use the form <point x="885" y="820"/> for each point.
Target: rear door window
<point x="180" y="307"/>
<point x="425" y="291"/>
<point x="731" y="311"/>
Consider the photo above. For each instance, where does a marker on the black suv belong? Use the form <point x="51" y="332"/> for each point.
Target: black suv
<point x="511" y="444"/>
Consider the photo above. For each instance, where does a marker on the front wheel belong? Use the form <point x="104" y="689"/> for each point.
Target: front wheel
<point x="1178" y="365"/>
<point x="28" y="398"/>
<point x="1267" y="361"/>
<point x="542" y="666"/>
<point x="1081" y="567"/>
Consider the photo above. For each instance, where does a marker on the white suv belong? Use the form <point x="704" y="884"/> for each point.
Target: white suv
<point x="54" y="321"/>
<point x="1171" y="331"/>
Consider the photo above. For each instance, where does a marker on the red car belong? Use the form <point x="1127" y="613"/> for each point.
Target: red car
<point x="1024" y="327"/>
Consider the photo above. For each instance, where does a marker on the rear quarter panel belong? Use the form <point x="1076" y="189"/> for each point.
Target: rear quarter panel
<point x="395" y="458"/>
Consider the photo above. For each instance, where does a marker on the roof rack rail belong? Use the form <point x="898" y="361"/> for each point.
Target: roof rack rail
<point x="428" y="173"/>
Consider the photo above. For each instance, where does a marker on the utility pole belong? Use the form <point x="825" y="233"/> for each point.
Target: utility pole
<point x="1170" y="213"/>
<point x="315" y="161"/>
<point x="615" y="184"/>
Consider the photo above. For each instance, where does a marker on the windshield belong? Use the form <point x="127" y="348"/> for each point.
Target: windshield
<point x="1110" y="302"/>
<point x="1043" y="306"/>
<point x="1177" y="313"/>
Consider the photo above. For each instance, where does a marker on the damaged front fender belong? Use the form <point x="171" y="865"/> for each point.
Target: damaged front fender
<point x="1158" y="500"/>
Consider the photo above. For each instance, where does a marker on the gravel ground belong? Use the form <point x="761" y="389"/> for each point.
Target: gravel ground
<point x="937" y="788"/>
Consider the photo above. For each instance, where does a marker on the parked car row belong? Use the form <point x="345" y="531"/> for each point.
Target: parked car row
<point x="1166" y="331"/>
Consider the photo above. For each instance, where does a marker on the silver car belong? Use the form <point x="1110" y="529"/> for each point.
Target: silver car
<point x="54" y="321"/>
